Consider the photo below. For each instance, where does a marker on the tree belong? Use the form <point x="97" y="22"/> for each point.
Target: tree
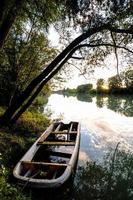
<point x="100" y="83"/>
<point x="23" y="57"/>
<point x="105" y="24"/>
<point x="114" y="83"/>
<point x="84" y="88"/>
<point x="10" y="10"/>
<point x="128" y="79"/>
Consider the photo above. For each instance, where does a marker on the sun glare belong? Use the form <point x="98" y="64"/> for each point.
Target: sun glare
<point x="105" y="87"/>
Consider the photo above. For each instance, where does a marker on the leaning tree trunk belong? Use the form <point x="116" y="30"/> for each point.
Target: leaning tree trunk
<point x="17" y="104"/>
<point x="34" y="95"/>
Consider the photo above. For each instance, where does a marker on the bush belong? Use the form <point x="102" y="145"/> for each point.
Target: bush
<point x="31" y="122"/>
<point x="8" y="191"/>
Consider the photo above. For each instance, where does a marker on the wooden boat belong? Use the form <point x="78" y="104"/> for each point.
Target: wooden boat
<point x="52" y="158"/>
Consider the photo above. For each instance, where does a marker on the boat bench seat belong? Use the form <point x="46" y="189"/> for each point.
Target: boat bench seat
<point x="63" y="132"/>
<point x="32" y="164"/>
<point x="53" y="143"/>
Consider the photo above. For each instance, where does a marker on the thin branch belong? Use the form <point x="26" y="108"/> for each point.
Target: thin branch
<point x="103" y="44"/>
<point x="77" y="68"/>
<point x="116" y="55"/>
<point x="77" y="58"/>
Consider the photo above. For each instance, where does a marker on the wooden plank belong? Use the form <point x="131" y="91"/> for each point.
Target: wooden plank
<point x="31" y="165"/>
<point x="65" y="132"/>
<point x="47" y="133"/>
<point x="58" y="127"/>
<point x="70" y="130"/>
<point x="57" y="143"/>
<point x="73" y="126"/>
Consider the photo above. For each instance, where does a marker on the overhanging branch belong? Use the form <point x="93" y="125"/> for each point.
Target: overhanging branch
<point x="103" y="44"/>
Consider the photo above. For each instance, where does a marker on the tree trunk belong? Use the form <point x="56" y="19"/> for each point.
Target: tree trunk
<point x="5" y="119"/>
<point x="2" y="7"/>
<point x="16" y="105"/>
<point x="32" y="98"/>
<point x="8" y="20"/>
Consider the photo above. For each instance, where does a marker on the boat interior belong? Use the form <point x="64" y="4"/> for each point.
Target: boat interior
<point x="54" y="152"/>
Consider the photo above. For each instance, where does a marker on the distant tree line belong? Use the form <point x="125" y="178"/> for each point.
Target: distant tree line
<point x="122" y="83"/>
<point x="118" y="84"/>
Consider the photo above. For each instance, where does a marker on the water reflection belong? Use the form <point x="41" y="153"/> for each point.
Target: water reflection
<point x="85" y="97"/>
<point x="103" y="119"/>
<point x="112" y="180"/>
<point x="121" y="103"/>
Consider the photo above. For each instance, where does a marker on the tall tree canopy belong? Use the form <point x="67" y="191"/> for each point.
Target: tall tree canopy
<point x="104" y="26"/>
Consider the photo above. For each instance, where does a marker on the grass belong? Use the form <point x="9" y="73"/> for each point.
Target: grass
<point x="14" y="142"/>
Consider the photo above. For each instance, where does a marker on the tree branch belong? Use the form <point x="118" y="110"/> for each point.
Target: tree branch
<point x="116" y="55"/>
<point x="103" y="44"/>
<point x="47" y="72"/>
<point x="76" y="68"/>
<point x="77" y="58"/>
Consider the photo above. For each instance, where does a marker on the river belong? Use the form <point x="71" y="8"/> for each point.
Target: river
<point x="105" y="121"/>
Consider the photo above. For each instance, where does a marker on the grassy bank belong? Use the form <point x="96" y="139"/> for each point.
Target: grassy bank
<point x="14" y="142"/>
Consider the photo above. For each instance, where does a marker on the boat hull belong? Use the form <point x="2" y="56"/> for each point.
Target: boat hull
<point x="68" y="168"/>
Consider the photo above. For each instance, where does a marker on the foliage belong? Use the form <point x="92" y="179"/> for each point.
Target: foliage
<point x="8" y="191"/>
<point x="84" y="88"/>
<point x="31" y="122"/>
<point x="25" y="54"/>
<point x="105" y="27"/>
<point x="128" y="78"/>
<point x="114" y="83"/>
<point x="14" y="142"/>
<point x="100" y="83"/>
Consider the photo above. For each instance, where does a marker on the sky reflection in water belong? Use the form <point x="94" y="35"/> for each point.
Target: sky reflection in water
<point x="101" y="128"/>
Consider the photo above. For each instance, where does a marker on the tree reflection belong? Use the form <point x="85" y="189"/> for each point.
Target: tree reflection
<point x="120" y="104"/>
<point x="101" y="100"/>
<point x="86" y="97"/>
<point x="114" y="103"/>
<point x="113" y="180"/>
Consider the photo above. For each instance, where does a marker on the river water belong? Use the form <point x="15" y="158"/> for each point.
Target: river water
<point x="105" y="121"/>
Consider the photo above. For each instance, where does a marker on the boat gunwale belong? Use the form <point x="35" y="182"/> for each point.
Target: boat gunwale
<point x="42" y="183"/>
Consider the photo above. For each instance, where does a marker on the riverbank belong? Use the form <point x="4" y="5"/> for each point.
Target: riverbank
<point x="14" y="142"/>
<point x="95" y="92"/>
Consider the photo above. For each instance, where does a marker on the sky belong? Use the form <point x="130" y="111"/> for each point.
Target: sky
<point x="105" y="73"/>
